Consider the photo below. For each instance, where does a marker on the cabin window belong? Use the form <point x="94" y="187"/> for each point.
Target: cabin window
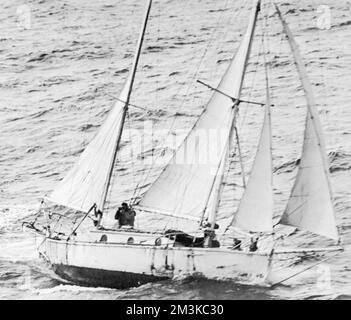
<point x="158" y="242"/>
<point x="103" y="238"/>
<point x="130" y="240"/>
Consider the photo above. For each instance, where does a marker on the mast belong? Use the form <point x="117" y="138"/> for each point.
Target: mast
<point x="125" y="109"/>
<point x="218" y="185"/>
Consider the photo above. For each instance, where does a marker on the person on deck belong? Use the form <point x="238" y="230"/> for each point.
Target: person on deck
<point x="97" y="218"/>
<point x="210" y="235"/>
<point x="253" y="245"/>
<point x="237" y="244"/>
<point x="125" y="215"/>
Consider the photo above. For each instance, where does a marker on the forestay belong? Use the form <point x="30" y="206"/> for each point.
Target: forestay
<point x="186" y="183"/>
<point x="310" y="205"/>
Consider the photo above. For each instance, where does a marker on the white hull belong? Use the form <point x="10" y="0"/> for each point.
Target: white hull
<point x="121" y="265"/>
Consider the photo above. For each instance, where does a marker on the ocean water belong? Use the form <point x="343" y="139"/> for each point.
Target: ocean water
<point x="62" y="64"/>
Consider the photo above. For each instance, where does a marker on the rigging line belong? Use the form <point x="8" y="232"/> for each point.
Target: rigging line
<point x="231" y="163"/>
<point x="322" y="69"/>
<point x="137" y="190"/>
<point x="228" y="96"/>
<point x="270" y="35"/>
<point x="241" y="124"/>
<point x="130" y="104"/>
<point x="215" y="47"/>
<point x="266" y="52"/>
<point x="39" y="212"/>
<point x="240" y="157"/>
<point x="132" y="149"/>
<point x="233" y="17"/>
<point x="142" y="181"/>
<point x="84" y="217"/>
<point x="157" y="82"/>
<point x="230" y="166"/>
<point x="267" y="78"/>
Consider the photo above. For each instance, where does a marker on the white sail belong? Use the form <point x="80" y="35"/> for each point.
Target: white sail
<point x="84" y="184"/>
<point x="310" y="205"/>
<point x="186" y="183"/>
<point x="255" y="212"/>
<point x="87" y="183"/>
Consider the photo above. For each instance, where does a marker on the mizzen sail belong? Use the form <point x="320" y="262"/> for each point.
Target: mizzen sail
<point x="187" y="181"/>
<point x="88" y="181"/>
<point x="83" y="186"/>
<point x="310" y="206"/>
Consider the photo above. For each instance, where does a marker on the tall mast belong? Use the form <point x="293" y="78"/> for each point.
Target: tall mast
<point x="218" y="185"/>
<point x="125" y="109"/>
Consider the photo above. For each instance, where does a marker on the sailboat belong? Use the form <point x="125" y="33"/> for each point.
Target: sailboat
<point x="191" y="191"/>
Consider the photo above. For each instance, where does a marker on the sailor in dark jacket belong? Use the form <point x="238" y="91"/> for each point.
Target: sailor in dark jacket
<point x="125" y="215"/>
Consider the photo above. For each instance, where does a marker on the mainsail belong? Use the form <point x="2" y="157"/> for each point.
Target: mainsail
<point x="88" y="181"/>
<point x="310" y="205"/>
<point x="256" y="206"/>
<point x="187" y="181"/>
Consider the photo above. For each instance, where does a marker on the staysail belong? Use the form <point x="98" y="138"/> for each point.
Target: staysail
<point x="310" y="206"/>
<point x="186" y="183"/>
<point x="87" y="182"/>
<point x="255" y="211"/>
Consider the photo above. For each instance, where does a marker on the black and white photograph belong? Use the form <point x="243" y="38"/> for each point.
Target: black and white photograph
<point x="175" y="150"/>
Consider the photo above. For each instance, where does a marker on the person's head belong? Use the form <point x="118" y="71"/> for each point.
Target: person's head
<point x="124" y="205"/>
